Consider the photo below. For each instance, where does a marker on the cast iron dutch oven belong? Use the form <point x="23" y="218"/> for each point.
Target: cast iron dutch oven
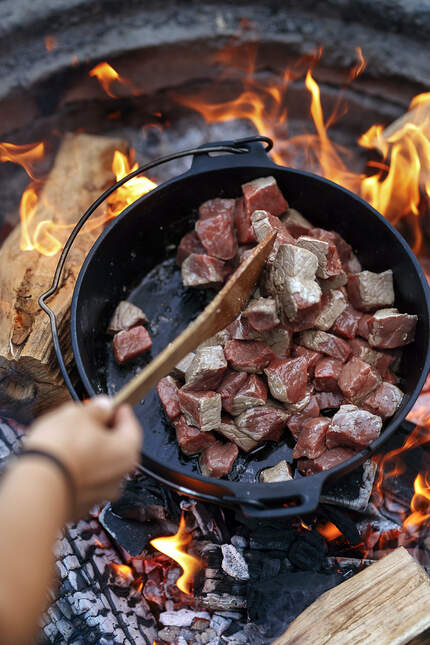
<point x="134" y="259"/>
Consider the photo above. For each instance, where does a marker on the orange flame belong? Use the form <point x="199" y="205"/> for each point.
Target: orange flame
<point x="50" y="43"/>
<point x="107" y="76"/>
<point x="420" y="504"/>
<point x="359" y="67"/>
<point x="122" y="570"/>
<point x="329" y="531"/>
<point x="174" y="547"/>
<point x="132" y="190"/>
<point x="24" y="155"/>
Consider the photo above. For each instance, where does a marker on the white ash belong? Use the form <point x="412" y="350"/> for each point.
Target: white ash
<point x="239" y="541"/>
<point x="182" y="617"/>
<point x="233" y="562"/>
<point x="220" y="624"/>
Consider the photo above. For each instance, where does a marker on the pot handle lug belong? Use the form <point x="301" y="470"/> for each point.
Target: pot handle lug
<point x="296" y="497"/>
<point x="253" y="151"/>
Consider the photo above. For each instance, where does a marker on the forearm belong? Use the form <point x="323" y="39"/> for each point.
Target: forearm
<point x="34" y="505"/>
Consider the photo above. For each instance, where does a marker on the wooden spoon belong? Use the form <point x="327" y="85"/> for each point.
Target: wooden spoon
<point x="219" y="313"/>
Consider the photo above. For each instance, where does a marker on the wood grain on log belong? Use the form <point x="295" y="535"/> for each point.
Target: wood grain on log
<point x="386" y="604"/>
<point x="28" y="366"/>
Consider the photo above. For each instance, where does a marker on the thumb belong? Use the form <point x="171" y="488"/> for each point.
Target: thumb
<point x="127" y="426"/>
<point x="101" y="409"/>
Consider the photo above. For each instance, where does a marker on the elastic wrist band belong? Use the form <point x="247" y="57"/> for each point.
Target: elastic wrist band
<point x="34" y="452"/>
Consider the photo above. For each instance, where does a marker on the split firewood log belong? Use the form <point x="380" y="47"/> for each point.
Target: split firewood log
<point x="29" y="374"/>
<point x="386" y="604"/>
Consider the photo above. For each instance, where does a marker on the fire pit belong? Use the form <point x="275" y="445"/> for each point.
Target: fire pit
<point x="316" y="84"/>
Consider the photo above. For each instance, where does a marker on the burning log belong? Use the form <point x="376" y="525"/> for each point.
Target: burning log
<point x="389" y="602"/>
<point x="28" y="369"/>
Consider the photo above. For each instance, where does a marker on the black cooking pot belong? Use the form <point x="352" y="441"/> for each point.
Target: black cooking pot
<point x="134" y="259"/>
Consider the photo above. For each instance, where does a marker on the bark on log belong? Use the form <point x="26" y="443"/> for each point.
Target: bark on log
<point x="386" y="604"/>
<point x="28" y="368"/>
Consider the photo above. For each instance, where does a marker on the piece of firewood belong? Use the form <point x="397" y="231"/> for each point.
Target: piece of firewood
<point x="29" y="372"/>
<point x="386" y="604"/>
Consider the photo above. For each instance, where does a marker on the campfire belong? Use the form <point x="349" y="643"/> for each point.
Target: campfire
<point x="157" y="567"/>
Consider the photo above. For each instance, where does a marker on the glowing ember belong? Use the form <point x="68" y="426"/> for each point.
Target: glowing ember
<point x="329" y="531"/>
<point x="174" y="547"/>
<point x="107" y="76"/>
<point x="122" y="570"/>
<point x="50" y="43"/>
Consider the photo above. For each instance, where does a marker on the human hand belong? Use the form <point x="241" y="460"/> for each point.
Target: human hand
<point x="97" y="445"/>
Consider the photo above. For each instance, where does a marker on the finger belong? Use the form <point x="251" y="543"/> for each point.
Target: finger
<point x="101" y="409"/>
<point x="128" y="427"/>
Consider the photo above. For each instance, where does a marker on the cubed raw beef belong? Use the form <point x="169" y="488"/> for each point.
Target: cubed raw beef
<point x="279" y="341"/>
<point x="180" y="368"/>
<point x="329" y="400"/>
<point x="300" y="302"/>
<point x="293" y="262"/>
<point x="207" y="369"/>
<point x="333" y="305"/>
<point x="126" y="316"/>
<point x="295" y="422"/>
<point x="281" y="472"/>
<point x="201" y="409"/>
<point x="248" y="355"/>
<point x="329" y="263"/>
<point x="191" y="439"/>
<point x="353" y="428"/>
<point x="252" y="394"/>
<point x="311" y="441"/>
<point x="242" y="220"/>
<point x="189" y="244"/>
<point x="262" y="423"/>
<point x="204" y="271"/>
<point x="388" y="329"/>
<point x="264" y="223"/>
<point x="384" y="401"/>
<point x="358" y="379"/>
<point x="261" y="314"/>
<point x="217" y="236"/>
<point x="335" y="282"/>
<point x="363" y="329"/>
<point x="353" y="265"/>
<point x="229" y="387"/>
<point x="311" y="357"/>
<point x="344" y="250"/>
<point x="217" y="206"/>
<point x="287" y="379"/>
<point x="321" y="341"/>
<point x="240" y="329"/>
<point x="299" y="406"/>
<point x="130" y="343"/>
<point x="264" y="193"/>
<point x="346" y="324"/>
<point x="220" y="338"/>
<point x="217" y="460"/>
<point x="380" y="360"/>
<point x="244" y="252"/>
<point x="230" y="431"/>
<point x="329" y="459"/>
<point x="327" y="372"/>
<point x="369" y="291"/>
<point x="167" y="389"/>
<point x="389" y="377"/>
<point x="296" y="224"/>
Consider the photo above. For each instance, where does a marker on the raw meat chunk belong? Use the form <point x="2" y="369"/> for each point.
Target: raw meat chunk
<point x="230" y="386"/>
<point x="293" y="262"/>
<point x="130" y="343"/>
<point x="243" y="224"/>
<point x="217" y="460"/>
<point x="321" y="341"/>
<point x="384" y="401"/>
<point x="264" y="193"/>
<point x="278" y="340"/>
<point x="264" y="223"/>
<point x="204" y="271"/>
<point x="300" y="301"/>
<point x="167" y="389"/>
<point x="240" y="329"/>
<point x="295" y="422"/>
<point x="353" y="428"/>
<point x="244" y="252"/>
<point x="388" y="329"/>
<point x="329" y="459"/>
<point x="180" y="369"/>
<point x="389" y="377"/>
<point x="217" y="206"/>
<point x="353" y="265"/>
<point x="369" y="291"/>
<point x="190" y="439"/>
<point x="329" y="264"/>
<point x="281" y="472"/>
<point x="346" y="324"/>
<point x="311" y="441"/>
<point x="261" y="314"/>
<point x="311" y="357"/>
<point x="344" y="250"/>
<point x="217" y="236"/>
<point x="262" y="423"/>
<point x="201" y="409"/>
<point x="230" y="431"/>
<point x="189" y="244"/>
<point x="207" y="369"/>
<point x="287" y="379"/>
<point x="357" y="379"/>
<point x="335" y="282"/>
<point x="299" y="406"/>
<point x="329" y="400"/>
<point x="327" y="372"/>
<point x="126" y="316"/>
<point x="295" y="222"/>
<point x="248" y="355"/>
<point x="252" y="394"/>
<point x="220" y="338"/>
<point x="333" y="305"/>
<point x="381" y="360"/>
<point x="363" y="326"/>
